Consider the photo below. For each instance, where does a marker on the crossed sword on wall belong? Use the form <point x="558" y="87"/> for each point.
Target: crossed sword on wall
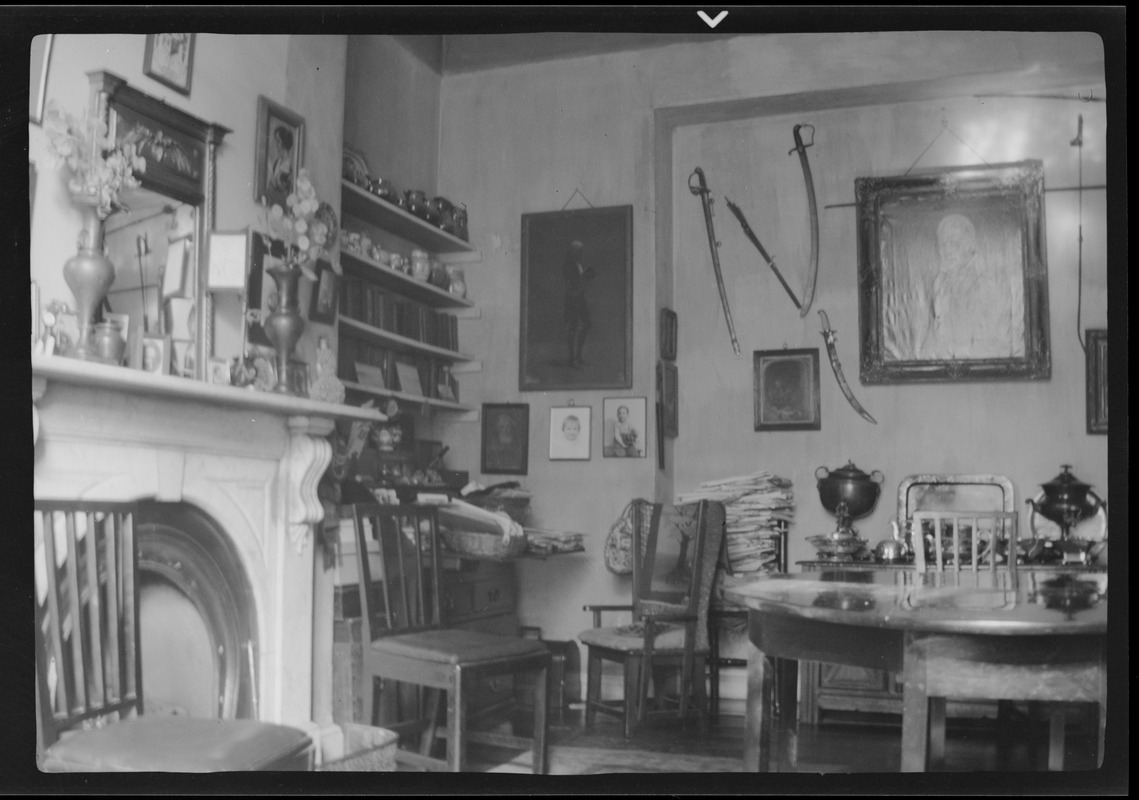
<point x="700" y="188"/>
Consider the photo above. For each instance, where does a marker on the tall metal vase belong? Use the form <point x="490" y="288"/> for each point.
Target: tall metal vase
<point x="89" y="274"/>
<point x="285" y="325"/>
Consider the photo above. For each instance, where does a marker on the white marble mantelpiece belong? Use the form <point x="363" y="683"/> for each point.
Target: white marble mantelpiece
<point x="250" y="460"/>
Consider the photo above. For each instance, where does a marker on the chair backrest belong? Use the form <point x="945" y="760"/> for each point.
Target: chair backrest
<point x="88" y="658"/>
<point x="403" y="595"/>
<point x="679" y="549"/>
<point x="966" y="541"/>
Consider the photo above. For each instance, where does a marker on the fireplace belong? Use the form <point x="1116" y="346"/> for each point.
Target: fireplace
<point x="226" y="482"/>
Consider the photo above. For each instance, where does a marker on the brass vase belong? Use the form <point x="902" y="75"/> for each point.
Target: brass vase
<point x="285" y="325"/>
<point x="89" y="274"/>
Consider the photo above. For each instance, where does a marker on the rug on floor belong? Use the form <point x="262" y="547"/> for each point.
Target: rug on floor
<point x="566" y="760"/>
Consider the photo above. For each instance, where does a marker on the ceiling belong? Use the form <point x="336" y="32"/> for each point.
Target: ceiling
<point x="472" y="52"/>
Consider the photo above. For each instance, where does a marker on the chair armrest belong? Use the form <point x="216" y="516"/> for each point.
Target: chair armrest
<point x="598" y="609"/>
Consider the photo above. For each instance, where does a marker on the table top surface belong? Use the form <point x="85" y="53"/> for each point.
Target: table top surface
<point x="1040" y="602"/>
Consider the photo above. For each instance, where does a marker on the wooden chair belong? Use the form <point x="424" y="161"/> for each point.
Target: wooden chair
<point x="89" y="687"/>
<point x="669" y="632"/>
<point x="969" y="543"/>
<point x="406" y="641"/>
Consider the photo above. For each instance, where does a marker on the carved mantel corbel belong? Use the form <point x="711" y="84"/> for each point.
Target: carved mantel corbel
<point x="308" y="456"/>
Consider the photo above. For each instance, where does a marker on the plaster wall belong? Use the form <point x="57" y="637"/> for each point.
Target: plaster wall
<point x="523" y="139"/>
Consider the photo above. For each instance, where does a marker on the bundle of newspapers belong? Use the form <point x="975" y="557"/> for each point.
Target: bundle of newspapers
<point x="756" y="508"/>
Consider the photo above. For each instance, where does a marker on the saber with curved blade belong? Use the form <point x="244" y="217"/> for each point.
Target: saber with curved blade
<point x="832" y="353"/>
<point x="706" y="201"/>
<point x="754" y="240"/>
<point x="812" y="206"/>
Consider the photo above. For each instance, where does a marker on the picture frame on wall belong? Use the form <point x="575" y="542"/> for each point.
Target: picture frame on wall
<point x="169" y="59"/>
<point x="505" y="438"/>
<point x="576" y="306"/>
<point x="1095" y="346"/>
<point x="624" y="433"/>
<point x="280" y="152"/>
<point x="40" y="60"/>
<point x="952" y="275"/>
<point x="260" y="292"/>
<point x="228" y="260"/>
<point x="325" y="294"/>
<point x="787" y="390"/>
<point x="570" y="433"/>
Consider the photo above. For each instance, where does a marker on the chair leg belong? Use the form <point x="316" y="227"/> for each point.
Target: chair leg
<point x="915" y="724"/>
<point x="369" y="699"/>
<point x="704" y="713"/>
<point x="427" y="738"/>
<point x="456" y="724"/>
<point x="539" y="747"/>
<point x="592" y="688"/>
<point x="936" y="758"/>
<point x="634" y="670"/>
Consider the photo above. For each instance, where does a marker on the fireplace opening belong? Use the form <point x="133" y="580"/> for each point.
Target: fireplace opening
<point x="196" y="614"/>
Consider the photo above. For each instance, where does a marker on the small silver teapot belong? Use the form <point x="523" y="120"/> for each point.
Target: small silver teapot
<point x="894" y="549"/>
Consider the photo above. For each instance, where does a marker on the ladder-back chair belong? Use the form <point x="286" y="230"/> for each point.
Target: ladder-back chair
<point x="671" y="599"/>
<point x="89" y="683"/>
<point x="406" y="641"/>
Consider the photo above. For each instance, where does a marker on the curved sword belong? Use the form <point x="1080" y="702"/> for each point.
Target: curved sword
<point x="754" y="240"/>
<point x="832" y="353"/>
<point x="809" y="295"/>
<point x="701" y="190"/>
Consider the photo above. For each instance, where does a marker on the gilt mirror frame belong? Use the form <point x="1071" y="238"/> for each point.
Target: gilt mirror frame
<point x="952" y="275"/>
<point x="181" y="163"/>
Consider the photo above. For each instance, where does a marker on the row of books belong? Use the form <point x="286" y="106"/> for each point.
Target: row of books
<point x="373" y="305"/>
<point x="378" y="368"/>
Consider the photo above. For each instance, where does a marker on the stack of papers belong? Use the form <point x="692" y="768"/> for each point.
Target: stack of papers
<point x="755" y="506"/>
<point x="546" y="541"/>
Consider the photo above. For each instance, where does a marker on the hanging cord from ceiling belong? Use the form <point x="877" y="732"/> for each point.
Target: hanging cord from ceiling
<point x="944" y="129"/>
<point x="1078" y="142"/>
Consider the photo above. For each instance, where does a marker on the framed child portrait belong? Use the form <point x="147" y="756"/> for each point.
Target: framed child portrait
<point x="570" y="432"/>
<point x="505" y="438"/>
<point x="624" y="427"/>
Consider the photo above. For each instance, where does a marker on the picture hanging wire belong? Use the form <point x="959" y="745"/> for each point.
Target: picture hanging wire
<point x="944" y="128"/>
<point x="577" y="193"/>
<point x="1078" y="142"/>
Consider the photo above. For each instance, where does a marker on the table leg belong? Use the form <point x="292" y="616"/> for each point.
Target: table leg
<point x="757" y="733"/>
<point x="915" y="718"/>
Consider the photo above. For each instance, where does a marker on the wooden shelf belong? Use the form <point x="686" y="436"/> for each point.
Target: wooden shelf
<point x="405" y="285"/>
<point x="405" y="397"/>
<point x="365" y="206"/>
<point x="402" y="344"/>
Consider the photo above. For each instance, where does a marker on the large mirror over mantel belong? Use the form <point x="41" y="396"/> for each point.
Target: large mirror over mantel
<point x="158" y="238"/>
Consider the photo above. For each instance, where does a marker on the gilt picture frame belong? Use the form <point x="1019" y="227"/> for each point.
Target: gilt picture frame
<point x="952" y="275"/>
<point x="787" y="390"/>
<point x="1095" y="346"/>
<point x="577" y="300"/>
<point x="169" y="59"/>
<point x="505" y="438"/>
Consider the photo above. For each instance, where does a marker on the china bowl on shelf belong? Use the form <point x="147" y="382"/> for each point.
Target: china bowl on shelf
<point x="829" y="546"/>
<point x="385" y="190"/>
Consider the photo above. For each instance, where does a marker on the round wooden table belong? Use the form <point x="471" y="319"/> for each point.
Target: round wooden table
<point x="870" y="619"/>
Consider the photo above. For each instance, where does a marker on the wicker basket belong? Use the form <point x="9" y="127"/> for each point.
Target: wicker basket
<point x="477" y="543"/>
<point x="517" y="508"/>
<point x="366" y="748"/>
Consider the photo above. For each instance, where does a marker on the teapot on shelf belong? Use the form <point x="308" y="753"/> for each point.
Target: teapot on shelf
<point x="895" y="549"/>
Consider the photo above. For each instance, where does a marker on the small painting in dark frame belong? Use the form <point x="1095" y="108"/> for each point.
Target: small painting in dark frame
<point x="787" y="390"/>
<point x="505" y="438"/>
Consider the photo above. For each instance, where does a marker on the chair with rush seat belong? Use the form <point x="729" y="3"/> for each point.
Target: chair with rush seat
<point x="672" y="591"/>
<point x="407" y="642"/>
<point x="89" y="687"/>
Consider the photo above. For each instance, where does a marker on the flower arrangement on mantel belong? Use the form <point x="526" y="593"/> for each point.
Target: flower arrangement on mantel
<point x="305" y="229"/>
<point x="99" y="170"/>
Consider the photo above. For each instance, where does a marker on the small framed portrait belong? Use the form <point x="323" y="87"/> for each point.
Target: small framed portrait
<point x="260" y="293"/>
<point x="219" y="373"/>
<point x="668" y="325"/>
<point x="228" y="261"/>
<point x="280" y="152"/>
<point x="169" y="59"/>
<point x="325" y="294"/>
<point x="505" y="438"/>
<point x="787" y="390"/>
<point x="570" y="432"/>
<point x="297" y="378"/>
<point x="155" y="354"/>
<point x="624" y="429"/>
<point x="1095" y="344"/>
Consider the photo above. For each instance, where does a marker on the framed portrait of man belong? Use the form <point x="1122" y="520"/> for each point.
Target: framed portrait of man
<point x="787" y="390"/>
<point x="577" y="284"/>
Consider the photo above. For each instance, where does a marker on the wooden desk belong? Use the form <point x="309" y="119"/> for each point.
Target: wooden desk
<point x="865" y="619"/>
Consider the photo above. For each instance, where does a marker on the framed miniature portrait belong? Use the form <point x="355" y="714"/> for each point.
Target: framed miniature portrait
<point x="952" y="275"/>
<point x="787" y="390"/>
<point x="624" y="429"/>
<point x="325" y="294"/>
<point x="155" y="354"/>
<point x="505" y="438"/>
<point x="219" y="373"/>
<point x="577" y="300"/>
<point x="570" y="432"/>
<point x="280" y="152"/>
<point x="169" y="59"/>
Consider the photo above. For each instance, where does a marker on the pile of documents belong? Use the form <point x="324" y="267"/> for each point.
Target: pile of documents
<point x="756" y="508"/>
<point x="546" y="541"/>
